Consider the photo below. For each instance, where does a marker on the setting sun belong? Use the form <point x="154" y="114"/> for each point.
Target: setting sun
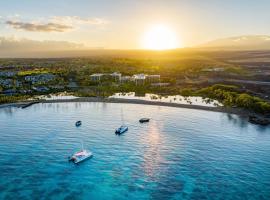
<point x="160" y="37"/>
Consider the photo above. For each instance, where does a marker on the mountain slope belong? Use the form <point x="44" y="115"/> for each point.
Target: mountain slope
<point x="248" y="42"/>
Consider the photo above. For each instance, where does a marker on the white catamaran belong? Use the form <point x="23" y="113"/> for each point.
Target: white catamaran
<point x="81" y="156"/>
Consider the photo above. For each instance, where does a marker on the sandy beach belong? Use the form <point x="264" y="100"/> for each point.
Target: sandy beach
<point x="222" y="109"/>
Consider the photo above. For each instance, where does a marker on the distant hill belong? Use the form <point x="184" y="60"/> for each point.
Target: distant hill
<point x="12" y="47"/>
<point x="247" y="42"/>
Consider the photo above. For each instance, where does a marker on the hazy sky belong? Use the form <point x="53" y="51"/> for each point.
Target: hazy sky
<point x="122" y="23"/>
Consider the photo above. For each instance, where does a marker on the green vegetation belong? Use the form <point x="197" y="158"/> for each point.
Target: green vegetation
<point x="229" y="95"/>
<point x="106" y="90"/>
<point x="182" y="70"/>
<point x="236" y="70"/>
<point x="13" y="99"/>
<point x="33" y="72"/>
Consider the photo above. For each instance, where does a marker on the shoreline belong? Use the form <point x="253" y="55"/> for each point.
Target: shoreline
<point x="221" y="109"/>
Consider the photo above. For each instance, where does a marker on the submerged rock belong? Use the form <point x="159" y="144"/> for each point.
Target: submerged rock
<point x="259" y="120"/>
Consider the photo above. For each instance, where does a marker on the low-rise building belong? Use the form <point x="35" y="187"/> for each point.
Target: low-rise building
<point x="72" y="84"/>
<point x="8" y="73"/>
<point x="23" y="91"/>
<point x="9" y="92"/>
<point x="216" y="69"/>
<point x="40" y="78"/>
<point x="115" y="76"/>
<point x="6" y="83"/>
<point x="139" y="78"/>
<point x="125" y="79"/>
<point x="57" y="87"/>
<point x="17" y="83"/>
<point x="96" y="77"/>
<point x="41" y="89"/>
<point x="153" y="78"/>
<point x="160" y="84"/>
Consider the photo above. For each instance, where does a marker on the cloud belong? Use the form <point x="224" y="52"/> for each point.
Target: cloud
<point x="55" y="24"/>
<point x="73" y="20"/>
<point x="14" y="47"/>
<point x="39" y="27"/>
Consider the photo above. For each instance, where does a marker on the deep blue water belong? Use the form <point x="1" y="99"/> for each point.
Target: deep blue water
<point x="180" y="154"/>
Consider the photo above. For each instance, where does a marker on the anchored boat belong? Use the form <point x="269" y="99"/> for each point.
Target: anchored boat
<point x="121" y="130"/>
<point x="78" y="123"/>
<point x="81" y="156"/>
<point x="143" y="120"/>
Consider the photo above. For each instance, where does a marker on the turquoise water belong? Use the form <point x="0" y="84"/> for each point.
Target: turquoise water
<point x="180" y="154"/>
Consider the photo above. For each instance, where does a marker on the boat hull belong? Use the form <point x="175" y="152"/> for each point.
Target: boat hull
<point x="78" y="123"/>
<point x="81" y="156"/>
<point x="143" y="120"/>
<point x="121" y="131"/>
<point x="77" y="161"/>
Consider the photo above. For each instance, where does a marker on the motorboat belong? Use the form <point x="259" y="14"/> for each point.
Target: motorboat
<point x="122" y="129"/>
<point x="78" y="123"/>
<point x="81" y="156"/>
<point x="143" y="120"/>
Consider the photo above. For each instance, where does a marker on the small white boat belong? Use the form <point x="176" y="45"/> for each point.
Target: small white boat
<point x="81" y="156"/>
<point x="78" y="123"/>
<point x="121" y="130"/>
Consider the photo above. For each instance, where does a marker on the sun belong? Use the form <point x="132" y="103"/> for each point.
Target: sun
<point x="160" y="37"/>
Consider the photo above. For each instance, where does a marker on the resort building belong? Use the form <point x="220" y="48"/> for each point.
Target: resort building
<point x="153" y="78"/>
<point x="139" y="78"/>
<point x="116" y="76"/>
<point x="144" y="78"/>
<point x="96" y="77"/>
<point x="99" y="77"/>
<point x="125" y="79"/>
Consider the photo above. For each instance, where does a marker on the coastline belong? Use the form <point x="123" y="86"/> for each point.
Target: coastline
<point x="221" y="109"/>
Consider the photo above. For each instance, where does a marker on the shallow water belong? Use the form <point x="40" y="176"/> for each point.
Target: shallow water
<point x="56" y="96"/>
<point x="199" y="101"/>
<point x="180" y="154"/>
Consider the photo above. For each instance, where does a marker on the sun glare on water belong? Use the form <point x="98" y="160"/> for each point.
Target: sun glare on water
<point x="160" y="37"/>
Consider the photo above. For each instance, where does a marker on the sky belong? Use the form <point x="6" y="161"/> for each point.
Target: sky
<point x="121" y="24"/>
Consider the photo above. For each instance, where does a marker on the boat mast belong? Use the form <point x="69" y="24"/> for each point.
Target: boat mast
<point x="122" y="116"/>
<point x="82" y="145"/>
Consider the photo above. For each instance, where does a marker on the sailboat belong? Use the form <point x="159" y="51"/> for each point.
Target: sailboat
<point x="123" y="128"/>
<point x="81" y="155"/>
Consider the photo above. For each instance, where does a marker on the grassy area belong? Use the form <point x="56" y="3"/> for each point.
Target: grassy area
<point x="33" y="72"/>
<point x="12" y="99"/>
